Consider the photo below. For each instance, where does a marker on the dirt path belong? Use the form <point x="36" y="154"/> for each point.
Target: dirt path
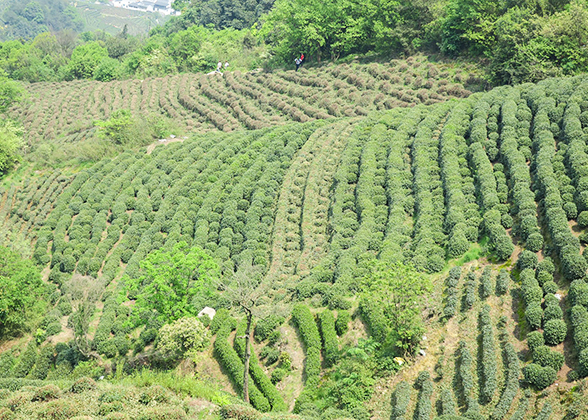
<point x="168" y="140"/>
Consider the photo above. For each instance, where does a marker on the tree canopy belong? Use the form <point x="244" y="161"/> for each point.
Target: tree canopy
<point x="398" y="291"/>
<point x="170" y="279"/>
<point x="21" y="293"/>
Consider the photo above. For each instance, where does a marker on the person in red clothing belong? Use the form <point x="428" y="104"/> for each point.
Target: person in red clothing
<point x="301" y="59"/>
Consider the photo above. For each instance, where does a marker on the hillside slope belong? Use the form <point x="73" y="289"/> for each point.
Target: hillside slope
<point x="498" y="177"/>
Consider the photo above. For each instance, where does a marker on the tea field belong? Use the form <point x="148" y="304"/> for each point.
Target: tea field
<point x="309" y="177"/>
<point x="65" y="111"/>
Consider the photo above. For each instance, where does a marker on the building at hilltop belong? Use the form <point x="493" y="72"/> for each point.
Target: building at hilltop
<point x="159" y="6"/>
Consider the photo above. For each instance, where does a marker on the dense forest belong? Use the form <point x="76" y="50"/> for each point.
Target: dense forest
<point x="395" y="228"/>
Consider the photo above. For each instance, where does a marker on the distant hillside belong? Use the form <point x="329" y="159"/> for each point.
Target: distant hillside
<point x="113" y="19"/>
<point x="27" y="19"/>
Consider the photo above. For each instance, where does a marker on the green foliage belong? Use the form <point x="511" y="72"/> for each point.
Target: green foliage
<point x="400" y="400"/>
<point x="43" y="363"/>
<point x="544" y="356"/>
<point x="265" y="326"/>
<point x="170" y="280"/>
<point x="26" y="361"/>
<point x="554" y="331"/>
<point x="527" y="259"/>
<point x="326" y="322"/>
<point x="11" y="92"/>
<point x="511" y="387"/>
<point x="534" y="316"/>
<point x="22" y="293"/>
<point x="84" y="384"/>
<point x="425" y="386"/>
<point x="488" y="351"/>
<point x="342" y="322"/>
<point x="539" y="377"/>
<point x="502" y="282"/>
<point x="535" y="339"/>
<point x="307" y="326"/>
<point x="396" y="291"/>
<point x="182" y="336"/>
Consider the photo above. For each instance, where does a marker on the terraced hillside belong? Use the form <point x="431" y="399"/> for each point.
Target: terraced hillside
<point x="487" y="195"/>
<point x="66" y="111"/>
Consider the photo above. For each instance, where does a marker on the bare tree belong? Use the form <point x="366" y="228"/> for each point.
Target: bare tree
<point x="245" y="290"/>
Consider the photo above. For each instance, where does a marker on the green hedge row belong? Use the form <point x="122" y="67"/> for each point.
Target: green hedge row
<point x="448" y="405"/>
<point x="424" y="407"/>
<point x="400" y="401"/>
<point x="470" y="289"/>
<point x="429" y="238"/>
<point x="326" y="322"/>
<point x="451" y="293"/>
<point x="486" y="283"/>
<point x="229" y="359"/>
<point x="488" y="350"/>
<point x="502" y="282"/>
<point x="465" y="369"/>
<point x="307" y="326"/>
<point x="511" y="386"/>
<point x="263" y="383"/>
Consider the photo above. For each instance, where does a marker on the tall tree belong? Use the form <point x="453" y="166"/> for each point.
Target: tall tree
<point x="245" y="290"/>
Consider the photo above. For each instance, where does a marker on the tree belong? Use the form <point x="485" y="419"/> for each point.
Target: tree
<point x="184" y="335"/>
<point x="21" y="293"/>
<point x="399" y="291"/>
<point x="10" y="144"/>
<point x="245" y="290"/>
<point x="11" y="92"/>
<point x="169" y="281"/>
<point x="85" y="59"/>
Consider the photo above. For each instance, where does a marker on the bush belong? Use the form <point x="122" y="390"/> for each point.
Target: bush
<point x="58" y="410"/>
<point x="154" y="393"/>
<point x="488" y="369"/>
<point x="400" y="401"/>
<point x="82" y="385"/>
<point x="342" y="322"/>
<point x="550" y="287"/>
<point x="534" y="242"/>
<point x="534" y="316"/>
<point x="583" y="219"/>
<point x="555" y="331"/>
<point x="307" y="326"/>
<point x="267" y="325"/>
<point x="544" y="356"/>
<point x="423" y="408"/>
<point x="535" y="339"/>
<point x="512" y="383"/>
<point x="486" y="282"/>
<point x="181" y="336"/>
<point x="502" y="282"/>
<point x="329" y="336"/>
<point x="539" y="377"/>
<point x="552" y="312"/>
<point x="43" y="362"/>
<point x="543" y="277"/>
<point x="26" y="361"/>
<point x="527" y="259"/>
<point x="278" y="374"/>
<point x="163" y="413"/>
<point x="583" y="363"/>
<point x="46" y="393"/>
<point x="239" y="412"/>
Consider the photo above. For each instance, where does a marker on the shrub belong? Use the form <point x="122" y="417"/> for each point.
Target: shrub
<point x="555" y="331"/>
<point x="163" y="413"/>
<point x="583" y="219"/>
<point x="549" y="287"/>
<point x="43" y="362"/>
<point x="307" y="326"/>
<point x="278" y="374"/>
<point x="535" y="339"/>
<point x="26" y="361"/>
<point x="58" y="410"/>
<point x="267" y="325"/>
<point x="544" y="356"/>
<point x="583" y="363"/>
<point x="183" y="335"/>
<point x="546" y="265"/>
<point x="488" y="368"/>
<point x="329" y="336"/>
<point x="502" y="282"/>
<point x="82" y="385"/>
<point x="534" y="242"/>
<point x="470" y="290"/>
<point x="46" y="393"/>
<point x="423" y="408"/>
<point x="512" y="383"/>
<point x="527" y="259"/>
<point x="552" y="312"/>
<point x="400" y="401"/>
<point x="534" y="316"/>
<point x="154" y="393"/>
<point x="486" y="282"/>
<point x="239" y="412"/>
<point x="543" y="277"/>
<point x="342" y="322"/>
<point x="539" y="377"/>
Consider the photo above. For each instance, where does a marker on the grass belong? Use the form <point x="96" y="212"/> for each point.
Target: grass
<point x="182" y="385"/>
